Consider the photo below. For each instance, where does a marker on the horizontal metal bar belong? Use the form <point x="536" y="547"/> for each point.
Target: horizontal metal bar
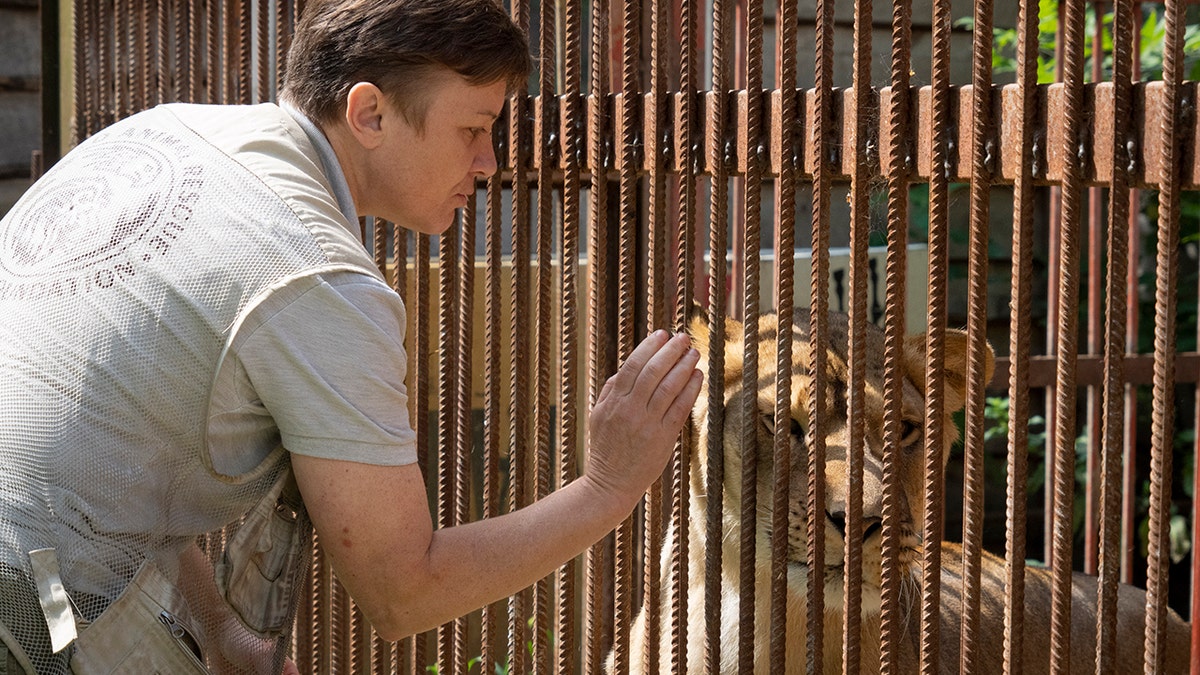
<point x="1138" y="370"/>
<point x="1095" y="154"/>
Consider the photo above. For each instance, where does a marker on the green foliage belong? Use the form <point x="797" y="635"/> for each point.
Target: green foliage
<point x="498" y="668"/>
<point x="1152" y="40"/>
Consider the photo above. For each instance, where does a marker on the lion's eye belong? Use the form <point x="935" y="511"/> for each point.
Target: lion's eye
<point x="797" y="430"/>
<point x="768" y="422"/>
<point x="910" y="434"/>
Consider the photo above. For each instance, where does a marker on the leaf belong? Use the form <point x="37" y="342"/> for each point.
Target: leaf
<point x="1181" y="539"/>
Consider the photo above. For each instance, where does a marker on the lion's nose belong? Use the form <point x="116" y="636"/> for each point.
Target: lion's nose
<point x="838" y="518"/>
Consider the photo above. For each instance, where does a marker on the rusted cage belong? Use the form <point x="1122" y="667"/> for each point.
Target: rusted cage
<point x="678" y="153"/>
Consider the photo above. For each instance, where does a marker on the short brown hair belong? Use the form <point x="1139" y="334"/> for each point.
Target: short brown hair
<point x="397" y="45"/>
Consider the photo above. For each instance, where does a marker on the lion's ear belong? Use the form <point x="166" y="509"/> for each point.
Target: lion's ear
<point x="954" y="369"/>
<point x="702" y="335"/>
<point x="698" y="328"/>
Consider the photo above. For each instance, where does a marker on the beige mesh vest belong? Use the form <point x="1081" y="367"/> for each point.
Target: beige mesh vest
<point x="123" y="275"/>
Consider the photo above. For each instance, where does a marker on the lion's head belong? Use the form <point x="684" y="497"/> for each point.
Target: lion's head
<point x="836" y="431"/>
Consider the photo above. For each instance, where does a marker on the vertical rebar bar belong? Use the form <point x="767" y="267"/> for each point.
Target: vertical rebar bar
<point x="689" y="154"/>
<point x="1129" y="478"/>
<point x="140" y="57"/>
<point x="656" y="314"/>
<point x="629" y="166"/>
<point x="1093" y="423"/>
<point x="983" y="152"/>
<point x="823" y="167"/>
<point x="212" y="32"/>
<point x="935" y="400"/>
<point x="447" y="416"/>
<point x="492" y="640"/>
<point x="1021" y="313"/>
<point x="262" y="53"/>
<point x="1068" y="297"/>
<point x="860" y="192"/>
<point x="755" y="153"/>
<point x="568" y="460"/>
<point x="464" y="443"/>
<point x="1112" y="412"/>
<point x="520" y="147"/>
<point x="595" y="619"/>
<point x="897" y="168"/>
<point x="84" y="66"/>
<point x="422" y="354"/>
<point x="1165" y="299"/>
<point x="718" y="202"/>
<point x="545" y="154"/>
<point x="785" y="280"/>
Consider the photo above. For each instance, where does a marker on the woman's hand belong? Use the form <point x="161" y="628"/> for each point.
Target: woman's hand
<point x="639" y="413"/>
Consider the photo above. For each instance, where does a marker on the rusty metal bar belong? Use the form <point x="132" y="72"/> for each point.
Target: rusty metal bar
<point x="422" y="391"/>
<point x="122" y="106"/>
<point x="595" y="614"/>
<point x="568" y="471"/>
<point x="1008" y="121"/>
<point x="1063" y="487"/>
<point x="192" y="64"/>
<point x="823" y="160"/>
<point x="785" y="238"/>
<point x="752" y="140"/>
<point x="463" y="438"/>
<point x="899" y="164"/>
<point x="864" y="106"/>
<point x="81" y="17"/>
<point x="212" y="22"/>
<point x="1092" y="427"/>
<point x="932" y="520"/>
<point x="283" y="37"/>
<point x="167" y="46"/>
<point x="690" y="155"/>
<point x="1165" y="298"/>
<point x="630" y="160"/>
<point x="341" y="626"/>
<point x="447" y="417"/>
<point x="983" y="151"/>
<point x="546" y="154"/>
<point x="241" y="49"/>
<point x="719" y="151"/>
<point x="390" y="656"/>
<point x="941" y="167"/>
<point x="521" y="140"/>
<point x="139" y="57"/>
<point x="1112" y="412"/>
<point x="262" y="41"/>
<point x="656" y="315"/>
<point x="521" y="424"/>
<point x="492" y="638"/>
<point x="233" y="58"/>
<point x="1129" y="479"/>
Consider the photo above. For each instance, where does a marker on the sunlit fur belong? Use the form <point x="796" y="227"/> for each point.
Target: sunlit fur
<point x="836" y="392"/>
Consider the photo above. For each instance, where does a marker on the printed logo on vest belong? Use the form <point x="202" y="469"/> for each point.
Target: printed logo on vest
<point x="113" y="206"/>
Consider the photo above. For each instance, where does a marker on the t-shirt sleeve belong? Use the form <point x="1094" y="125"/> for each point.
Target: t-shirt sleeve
<point x="327" y="363"/>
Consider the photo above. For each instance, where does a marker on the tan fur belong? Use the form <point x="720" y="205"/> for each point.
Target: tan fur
<point x="989" y="658"/>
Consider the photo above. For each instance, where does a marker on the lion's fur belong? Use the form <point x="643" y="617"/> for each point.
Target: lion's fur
<point x="989" y="658"/>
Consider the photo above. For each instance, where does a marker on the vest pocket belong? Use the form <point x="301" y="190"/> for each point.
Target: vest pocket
<point x="147" y="630"/>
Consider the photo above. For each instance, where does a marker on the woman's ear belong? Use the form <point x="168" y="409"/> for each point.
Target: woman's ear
<point x="365" y="106"/>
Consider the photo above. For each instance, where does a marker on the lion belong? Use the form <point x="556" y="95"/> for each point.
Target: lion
<point x="1036" y="653"/>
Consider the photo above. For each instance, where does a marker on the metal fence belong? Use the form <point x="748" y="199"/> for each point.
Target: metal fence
<point x="732" y="155"/>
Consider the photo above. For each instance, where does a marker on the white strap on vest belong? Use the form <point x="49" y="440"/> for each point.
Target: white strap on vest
<point x="56" y="604"/>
